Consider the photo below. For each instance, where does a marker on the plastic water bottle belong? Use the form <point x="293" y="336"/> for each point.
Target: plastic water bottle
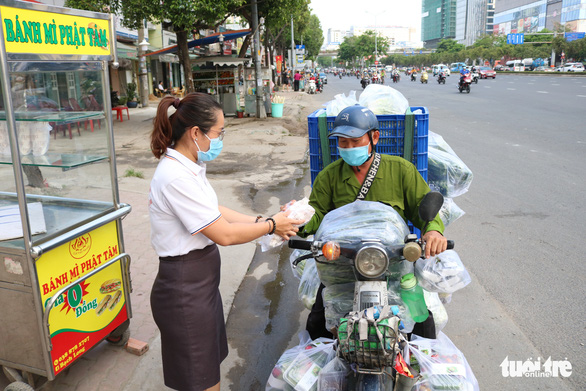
<point x="412" y="296"/>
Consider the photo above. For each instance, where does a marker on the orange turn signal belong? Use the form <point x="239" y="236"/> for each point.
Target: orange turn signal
<point x="331" y="251"/>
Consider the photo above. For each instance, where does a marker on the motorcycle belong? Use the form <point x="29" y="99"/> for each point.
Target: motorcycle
<point x="361" y="250"/>
<point x="464" y="83"/>
<point x="396" y="78"/>
<point x="441" y="78"/>
<point x="311" y="87"/>
<point x="414" y="77"/>
<point x="340" y="75"/>
<point x="424" y="77"/>
<point x="364" y="82"/>
<point x="319" y="85"/>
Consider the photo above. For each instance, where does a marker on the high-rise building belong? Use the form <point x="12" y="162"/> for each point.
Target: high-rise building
<point x="520" y="16"/>
<point x="573" y="15"/>
<point x="438" y="21"/>
<point x="474" y="18"/>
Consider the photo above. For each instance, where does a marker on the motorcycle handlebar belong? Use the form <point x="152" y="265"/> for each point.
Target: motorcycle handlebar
<point x="450" y="244"/>
<point x="300" y="244"/>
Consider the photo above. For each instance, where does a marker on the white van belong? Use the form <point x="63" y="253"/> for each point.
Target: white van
<point x="516" y="65"/>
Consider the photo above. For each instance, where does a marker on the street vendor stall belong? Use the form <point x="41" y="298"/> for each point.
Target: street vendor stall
<point x="220" y="76"/>
<point x="64" y="275"/>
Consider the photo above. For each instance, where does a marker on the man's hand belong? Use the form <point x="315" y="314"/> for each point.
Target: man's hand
<point x="435" y="243"/>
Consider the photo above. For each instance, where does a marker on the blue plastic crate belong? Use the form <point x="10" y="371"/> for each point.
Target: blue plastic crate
<point x="392" y="132"/>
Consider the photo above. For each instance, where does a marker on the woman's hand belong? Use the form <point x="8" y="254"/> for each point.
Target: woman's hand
<point x="286" y="227"/>
<point x="435" y="243"/>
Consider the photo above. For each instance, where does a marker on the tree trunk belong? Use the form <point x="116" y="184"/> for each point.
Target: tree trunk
<point x="244" y="47"/>
<point x="184" y="59"/>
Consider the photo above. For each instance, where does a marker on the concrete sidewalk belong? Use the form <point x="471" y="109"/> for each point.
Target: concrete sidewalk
<point x="257" y="154"/>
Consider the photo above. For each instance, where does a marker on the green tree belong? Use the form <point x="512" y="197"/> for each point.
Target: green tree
<point x="313" y="37"/>
<point x="183" y="16"/>
<point x="450" y="46"/>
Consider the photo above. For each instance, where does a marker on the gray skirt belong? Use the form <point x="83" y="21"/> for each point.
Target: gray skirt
<point x="187" y="308"/>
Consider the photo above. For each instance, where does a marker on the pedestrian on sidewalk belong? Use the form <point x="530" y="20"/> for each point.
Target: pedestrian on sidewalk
<point x="186" y="225"/>
<point x="297" y="77"/>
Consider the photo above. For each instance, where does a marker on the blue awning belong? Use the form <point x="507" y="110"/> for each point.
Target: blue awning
<point x="213" y="38"/>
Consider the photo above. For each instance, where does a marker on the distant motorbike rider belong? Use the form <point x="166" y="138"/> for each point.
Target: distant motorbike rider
<point x="464" y="72"/>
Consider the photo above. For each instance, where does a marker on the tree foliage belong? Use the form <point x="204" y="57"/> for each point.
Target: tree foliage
<point x="184" y="16"/>
<point x="362" y="47"/>
<point x="449" y="46"/>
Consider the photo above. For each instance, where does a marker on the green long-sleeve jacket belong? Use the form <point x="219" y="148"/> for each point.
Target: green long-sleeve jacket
<point x="397" y="184"/>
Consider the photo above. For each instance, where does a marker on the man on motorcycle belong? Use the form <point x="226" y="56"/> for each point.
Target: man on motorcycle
<point x="397" y="183"/>
<point x="463" y="73"/>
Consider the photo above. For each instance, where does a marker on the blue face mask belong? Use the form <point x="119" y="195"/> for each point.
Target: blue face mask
<point x="216" y="146"/>
<point x="354" y="156"/>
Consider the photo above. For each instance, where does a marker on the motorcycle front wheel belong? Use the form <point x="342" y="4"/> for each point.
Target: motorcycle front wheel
<point x="468" y="89"/>
<point x="373" y="383"/>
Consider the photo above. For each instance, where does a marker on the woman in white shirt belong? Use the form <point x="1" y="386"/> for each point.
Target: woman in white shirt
<point x="186" y="225"/>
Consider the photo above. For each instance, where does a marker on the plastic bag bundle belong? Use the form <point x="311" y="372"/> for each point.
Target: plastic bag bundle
<point x="435" y="305"/>
<point x="298" y="270"/>
<point x="447" y="173"/>
<point x="332" y="377"/>
<point x="309" y="284"/>
<point x="300" y="210"/>
<point x="339" y="103"/>
<point x="356" y="221"/>
<point x="382" y="99"/>
<point x="442" y="365"/>
<point x="276" y="381"/>
<point x="303" y="372"/>
<point x="450" y="212"/>
<point x="443" y="273"/>
<point x="338" y="301"/>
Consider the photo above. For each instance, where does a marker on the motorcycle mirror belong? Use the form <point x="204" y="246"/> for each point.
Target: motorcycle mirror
<point x="430" y="206"/>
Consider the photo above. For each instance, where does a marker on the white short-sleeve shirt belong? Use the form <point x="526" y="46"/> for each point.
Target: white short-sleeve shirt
<point x="181" y="204"/>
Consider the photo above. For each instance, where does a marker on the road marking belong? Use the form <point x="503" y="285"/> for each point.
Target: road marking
<point x="543" y="92"/>
<point x="511" y="89"/>
<point x="555" y="84"/>
<point x="581" y="96"/>
<point x="530" y="83"/>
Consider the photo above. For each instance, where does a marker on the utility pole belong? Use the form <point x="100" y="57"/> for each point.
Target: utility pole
<point x="293" y="56"/>
<point x="260" y="108"/>
<point x="143" y="74"/>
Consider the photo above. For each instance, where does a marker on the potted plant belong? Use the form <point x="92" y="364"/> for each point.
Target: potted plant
<point x="131" y="95"/>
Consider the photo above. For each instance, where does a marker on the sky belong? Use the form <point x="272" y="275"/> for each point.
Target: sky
<point x="342" y="14"/>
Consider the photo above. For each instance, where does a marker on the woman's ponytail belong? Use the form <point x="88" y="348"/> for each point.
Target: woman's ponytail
<point x="162" y="135"/>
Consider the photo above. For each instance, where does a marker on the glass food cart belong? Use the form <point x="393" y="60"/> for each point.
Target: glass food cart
<point x="64" y="275"/>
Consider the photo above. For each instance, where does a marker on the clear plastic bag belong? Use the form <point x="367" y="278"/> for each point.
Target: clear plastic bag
<point x="382" y="99"/>
<point x="355" y="221"/>
<point x="443" y="273"/>
<point x="447" y="173"/>
<point x="435" y="305"/>
<point x="450" y="212"/>
<point x="276" y="381"/>
<point x="340" y="102"/>
<point x="309" y="284"/>
<point x="303" y="372"/>
<point x="338" y="301"/>
<point x="298" y="270"/>
<point x="442" y="365"/>
<point x="332" y="377"/>
<point x="300" y="210"/>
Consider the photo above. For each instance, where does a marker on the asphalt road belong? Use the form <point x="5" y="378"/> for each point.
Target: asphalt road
<point x="523" y="138"/>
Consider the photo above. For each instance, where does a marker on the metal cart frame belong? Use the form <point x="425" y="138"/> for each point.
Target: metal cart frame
<point x="24" y="314"/>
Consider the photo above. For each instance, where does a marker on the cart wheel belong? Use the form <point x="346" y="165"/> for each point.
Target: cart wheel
<point x="118" y="331"/>
<point x="18" y="386"/>
<point x="119" y="340"/>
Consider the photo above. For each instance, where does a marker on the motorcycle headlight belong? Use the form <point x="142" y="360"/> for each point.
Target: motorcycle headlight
<point x="371" y="261"/>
